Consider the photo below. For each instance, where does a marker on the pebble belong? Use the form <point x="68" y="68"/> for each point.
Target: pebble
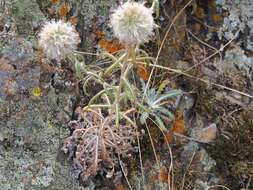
<point x="207" y="134"/>
<point x="1" y="137"/>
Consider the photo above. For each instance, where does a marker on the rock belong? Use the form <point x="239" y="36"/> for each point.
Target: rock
<point x="236" y="61"/>
<point x="1" y="137"/>
<point x="207" y="134"/>
<point x="239" y="18"/>
<point x="33" y="115"/>
<point x="17" y="74"/>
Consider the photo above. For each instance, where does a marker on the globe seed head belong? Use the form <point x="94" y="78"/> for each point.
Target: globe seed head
<point x="58" y="38"/>
<point x="132" y="23"/>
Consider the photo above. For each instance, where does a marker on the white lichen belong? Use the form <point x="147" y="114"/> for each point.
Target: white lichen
<point x="57" y="39"/>
<point x="132" y="23"/>
<point x="236" y="61"/>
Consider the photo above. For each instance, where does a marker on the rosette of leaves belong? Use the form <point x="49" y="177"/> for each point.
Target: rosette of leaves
<point x="96" y="144"/>
<point x="154" y="102"/>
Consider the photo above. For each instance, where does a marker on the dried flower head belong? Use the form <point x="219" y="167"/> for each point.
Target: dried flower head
<point x="96" y="143"/>
<point x="132" y="23"/>
<point x="58" y="38"/>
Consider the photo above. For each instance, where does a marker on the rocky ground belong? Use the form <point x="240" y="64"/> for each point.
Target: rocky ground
<point x="210" y="142"/>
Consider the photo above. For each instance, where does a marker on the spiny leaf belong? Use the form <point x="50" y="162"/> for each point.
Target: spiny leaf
<point x="166" y="112"/>
<point x="159" y="122"/>
<point x="170" y="94"/>
<point x="163" y="85"/>
<point x="144" y="117"/>
<point x="99" y="94"/>
<point x="155" y="7"/>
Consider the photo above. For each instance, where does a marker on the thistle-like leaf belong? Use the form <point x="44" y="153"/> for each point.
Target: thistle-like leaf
<point x="166" y="112"/>
<point x="144" y="117"/>
<point x="159" y="122"/>
<point x="156" y="8"/>
<point x="99" y="94"/>
<point x="170" y="94"/>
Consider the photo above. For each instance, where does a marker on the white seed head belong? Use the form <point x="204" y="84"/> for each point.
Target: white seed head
<point x="132" y="23"/>
<point x="58" y="38"/>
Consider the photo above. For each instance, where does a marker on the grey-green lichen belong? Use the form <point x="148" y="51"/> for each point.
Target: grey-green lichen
<point x="18" y="18"/>
<point x="30" y="145"/>
<point x="90" y="8"/>
<point x="27" y="16"/>
<point x="7" y="26"/>
<point x="236" y="61"/>
<point x="240" y="18"/>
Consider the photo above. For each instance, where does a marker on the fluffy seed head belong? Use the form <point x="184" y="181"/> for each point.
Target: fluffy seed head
<point x="132" y="23"/>
<point x="58" y="38"/>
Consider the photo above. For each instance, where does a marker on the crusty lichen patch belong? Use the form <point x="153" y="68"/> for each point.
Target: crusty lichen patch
<point x="236" y="61"/>
<point x="240" y="18"/>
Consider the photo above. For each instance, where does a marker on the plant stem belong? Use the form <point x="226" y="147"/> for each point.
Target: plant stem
<point x="124" y="71"/>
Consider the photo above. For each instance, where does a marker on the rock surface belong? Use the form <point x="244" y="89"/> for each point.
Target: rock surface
<point x="36" y="101"/>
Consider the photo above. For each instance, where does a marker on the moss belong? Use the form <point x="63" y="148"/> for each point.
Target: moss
<point x="204" y="96"/>
<point x="234" y="154"/>
<point x="205" y="99"/>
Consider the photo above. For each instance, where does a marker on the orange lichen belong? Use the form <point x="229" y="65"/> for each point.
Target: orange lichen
<point x="120" y="187"/>
<point x="103" y="43"/>
<point x="53" y="2"/>
<point x="217" y="17"/>
<point x="143" y="72"/>
<point x="200" y="13"/>
<point x="178" y="126"/>
<point x="99" y="34"/>
<point x="181" y="35"/>
<point x="197" y="26"/>
<point x="73" y="20"/>
<point x="174" y="86"/>
<point x="63" y="11"/>
<point x="212" y="4"/>
<point x="163" y="176"/>
<point x="226" y="14"/>
<point x="110" y="46"/>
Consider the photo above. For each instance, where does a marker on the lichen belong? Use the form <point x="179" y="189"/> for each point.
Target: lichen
<point x="236" y="61"/>
<point x="89" y="8"/>
<point x="239" y="18"/>
<point x="31" y="144"/>
<point x="27" y="16"/>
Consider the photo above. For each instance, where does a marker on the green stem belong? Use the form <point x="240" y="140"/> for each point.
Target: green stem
<point x="124" y="71"/>
<point x="116" y="64"/>
<point x="99" y="106"/>
<point x="99" y="94"/>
